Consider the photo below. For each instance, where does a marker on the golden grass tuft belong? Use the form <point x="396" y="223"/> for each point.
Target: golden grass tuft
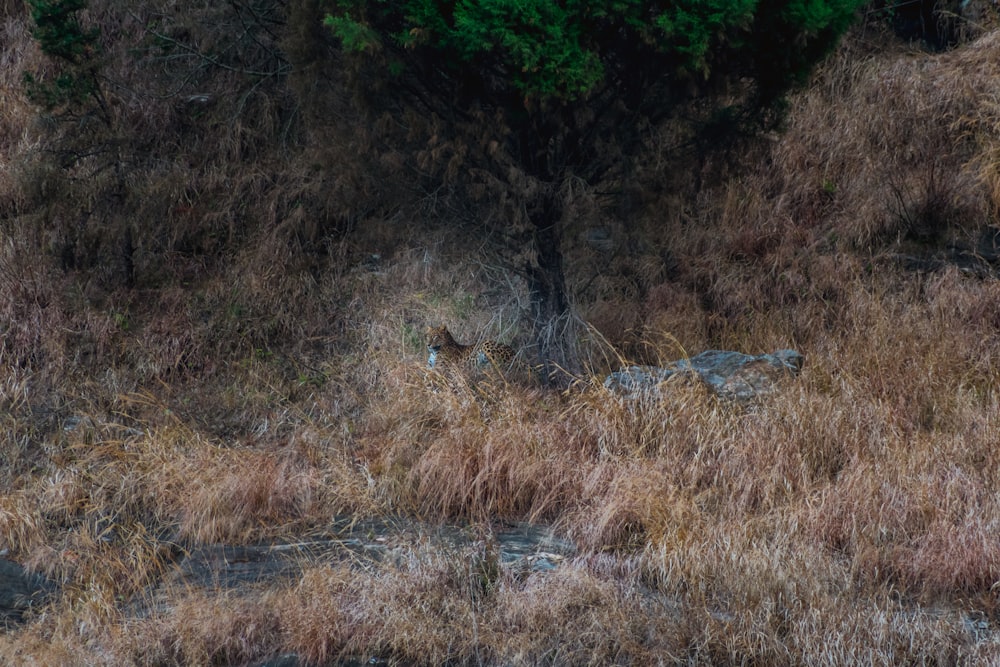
<point x="202" y="630"/>
<point x="317" y="619"/>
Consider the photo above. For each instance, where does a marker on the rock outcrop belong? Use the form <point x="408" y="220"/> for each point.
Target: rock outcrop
<point x="521" y="547"/>
<point x="19" y="589"/>
<point x="732" y="375"/>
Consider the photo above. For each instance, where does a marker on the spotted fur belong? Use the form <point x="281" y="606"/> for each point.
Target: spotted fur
<point x="445" y="352"/>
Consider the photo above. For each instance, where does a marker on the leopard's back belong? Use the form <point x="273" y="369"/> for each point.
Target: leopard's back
<point x="493" y="353"/>
<point x="445" y="352"/>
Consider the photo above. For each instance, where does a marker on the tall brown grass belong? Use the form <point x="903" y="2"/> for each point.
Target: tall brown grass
<point x="256" y="389"/>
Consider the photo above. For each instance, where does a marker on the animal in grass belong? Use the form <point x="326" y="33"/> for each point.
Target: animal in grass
<point x="446" y="352"/>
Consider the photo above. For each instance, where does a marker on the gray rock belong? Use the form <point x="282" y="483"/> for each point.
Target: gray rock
<point x="522" y="547"/>
<point x="283" y="660"/>
<point x="731" y="375"/>
<point x="292" y="660"/>
<point x="600" y="238"/>
<point x="19" y="589"/>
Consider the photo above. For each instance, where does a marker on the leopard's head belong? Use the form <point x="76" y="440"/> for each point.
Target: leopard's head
<point x="437" y="337"/>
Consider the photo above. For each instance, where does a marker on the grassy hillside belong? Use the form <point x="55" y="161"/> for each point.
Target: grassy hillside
<point x="211" y="314"/>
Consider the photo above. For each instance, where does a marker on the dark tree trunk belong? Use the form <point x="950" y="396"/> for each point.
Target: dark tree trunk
<point x="551" y="313"/>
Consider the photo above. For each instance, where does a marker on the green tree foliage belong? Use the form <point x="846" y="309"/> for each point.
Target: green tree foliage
<point x="75" y="50"/>
<point x="153" y="122"/>
<point x="84" y="143"/>
<point x="58" y="29"/>
<point x="578" y="86"/>
<point x="566" y="50"/>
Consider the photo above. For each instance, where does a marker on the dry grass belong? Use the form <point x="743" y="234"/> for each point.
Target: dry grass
<point x="202" y="630"/>
<point x="254" y="389"/>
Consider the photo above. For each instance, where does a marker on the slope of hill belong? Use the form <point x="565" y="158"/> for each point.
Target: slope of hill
<point x="212" y="302"/>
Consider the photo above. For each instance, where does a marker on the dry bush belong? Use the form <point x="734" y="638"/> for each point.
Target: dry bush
<point x="228" y="495"/>
<point x="765" y="595"/>
<point x="885" y="154"/>
<point x="36" y="323"/>
<point x="438" y="607"/>
<point x="202" y="630"/>
<point x="420" y="610"/>
<point x="17" y="116"/>
<point x="480" y="449"/>
<point x="168" y="179"/>
<point x="316" y="616"/>
<point x="60" y="649"/>
<point x="233" y="494"/>
<point x="917" y="522"/>
<point x="584" y="614"/>
<point x="904" y="115"/>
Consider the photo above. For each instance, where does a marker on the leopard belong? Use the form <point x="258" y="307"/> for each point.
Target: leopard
<point x="446" y="352"/>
